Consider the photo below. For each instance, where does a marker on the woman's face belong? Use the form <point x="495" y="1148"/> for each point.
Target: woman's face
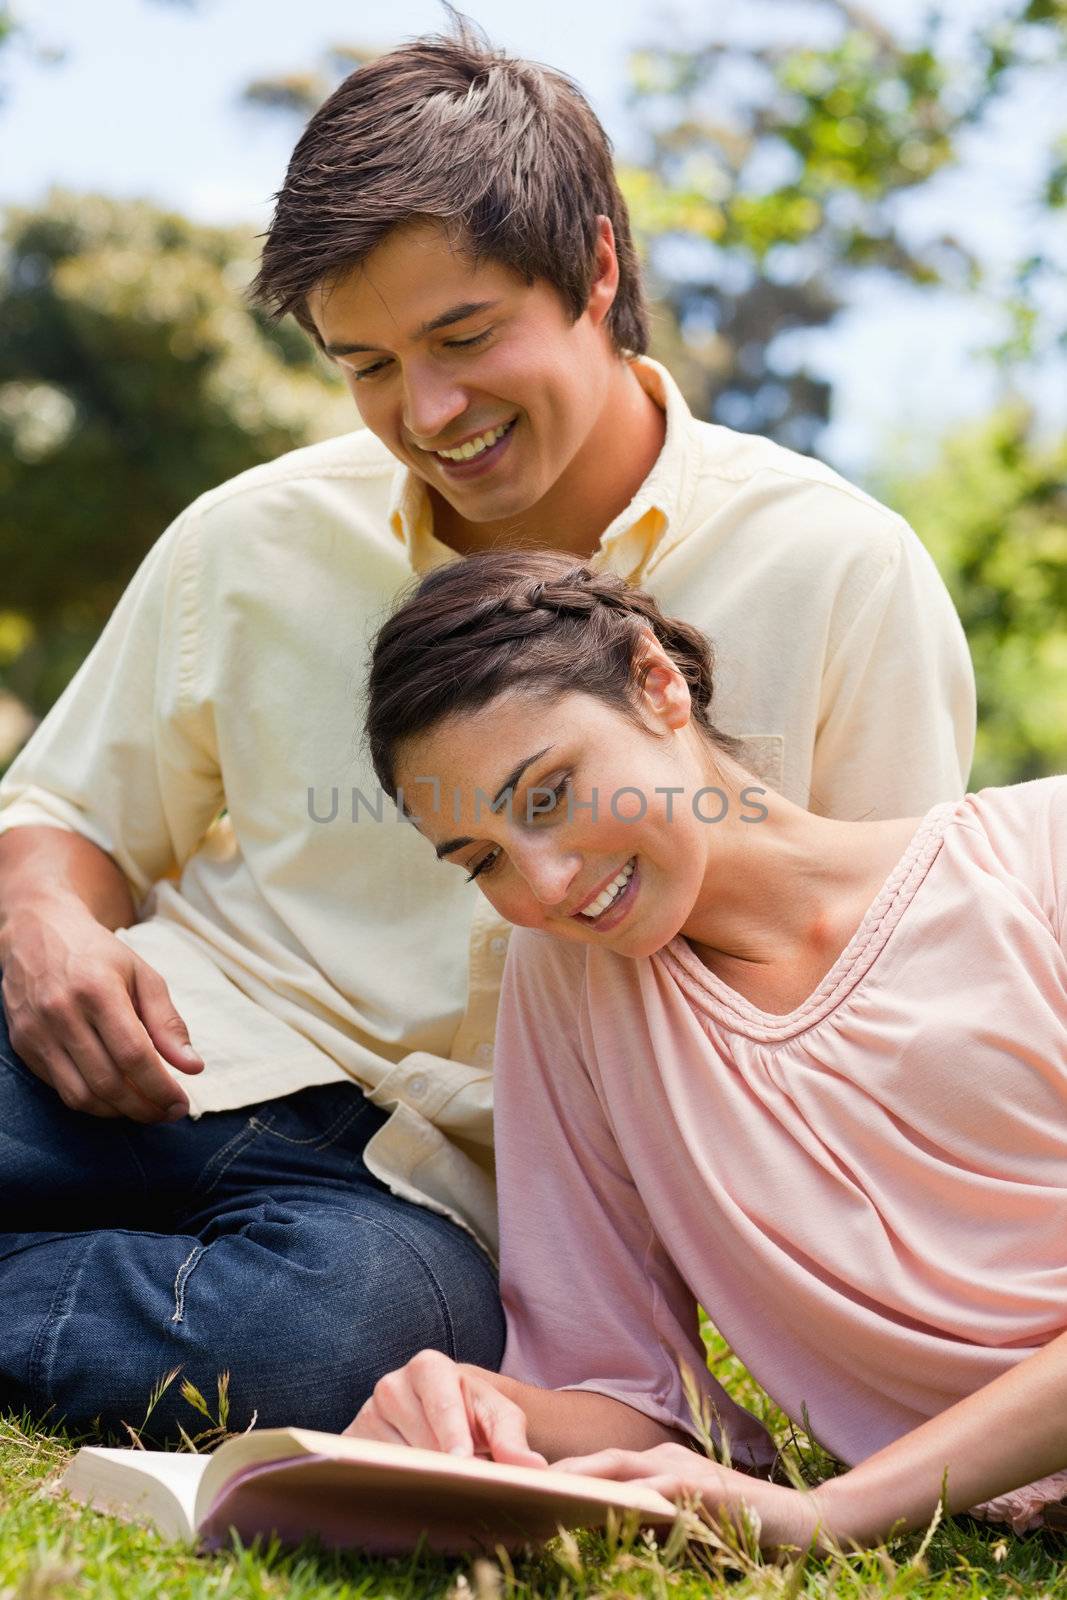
<point x="563" y="810"/>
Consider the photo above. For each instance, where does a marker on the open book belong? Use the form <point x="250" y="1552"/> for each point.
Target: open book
<point x="383" y="1498"/>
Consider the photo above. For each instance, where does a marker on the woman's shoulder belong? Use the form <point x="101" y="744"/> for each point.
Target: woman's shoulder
<point x="1012" y="808"/>
<point x="539" y="961"/>
<point x="547" y="970"/>
<point x="1023" y="825"/>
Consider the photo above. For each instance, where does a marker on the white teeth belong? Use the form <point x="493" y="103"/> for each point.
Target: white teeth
<point x="606" y="896"/>
<point x="474" y="447"/>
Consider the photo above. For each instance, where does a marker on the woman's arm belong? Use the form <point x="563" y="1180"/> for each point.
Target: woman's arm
<point x="1008" y="1433"/>
<point x="594" y="1299"/>
<point x="1002" y="1436"/>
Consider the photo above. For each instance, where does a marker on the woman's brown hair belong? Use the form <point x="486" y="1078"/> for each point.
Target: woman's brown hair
<point x="505" y="152"/>
<point x="533" y="620"/>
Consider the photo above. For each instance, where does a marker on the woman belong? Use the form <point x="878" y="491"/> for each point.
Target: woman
<point x="811" y="1074"/>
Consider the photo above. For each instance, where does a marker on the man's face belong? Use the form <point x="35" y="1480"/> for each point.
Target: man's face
<point x="445" y="356"/>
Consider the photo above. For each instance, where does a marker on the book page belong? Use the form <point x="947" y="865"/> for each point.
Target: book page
<point x="155" y="1486"/>
<point x="384" y="1498"/>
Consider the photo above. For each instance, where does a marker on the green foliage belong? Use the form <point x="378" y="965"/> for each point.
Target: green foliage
<point x="51" y="1549"/>
<point x="133" y="377"/>
<point x="993" y="512"/>
<point x="780" y="166"/>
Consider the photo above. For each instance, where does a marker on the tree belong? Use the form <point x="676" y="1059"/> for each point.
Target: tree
<point x="993" y="512"/>
<point x="773" y="173"/>
<point x="133" y="376"/>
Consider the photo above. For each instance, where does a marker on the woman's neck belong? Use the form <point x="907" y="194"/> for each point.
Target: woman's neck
<point x="782" y="897"/>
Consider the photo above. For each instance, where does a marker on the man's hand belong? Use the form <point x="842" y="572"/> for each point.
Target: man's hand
<point x="90" y="1018"/>
<point x="439" y="1404"/>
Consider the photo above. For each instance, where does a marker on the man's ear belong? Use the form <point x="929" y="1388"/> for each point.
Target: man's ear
<point x="605" y="284"/>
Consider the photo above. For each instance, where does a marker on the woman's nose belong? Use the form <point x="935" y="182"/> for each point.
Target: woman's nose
<point x="550" y="874"/>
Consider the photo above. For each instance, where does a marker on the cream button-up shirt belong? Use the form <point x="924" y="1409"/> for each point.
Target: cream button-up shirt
<point x="211" y="744"/>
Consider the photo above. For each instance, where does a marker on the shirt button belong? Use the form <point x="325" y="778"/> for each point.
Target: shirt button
<point x="484" y="1053"/>
<point x="498" y="945"/>
<point x="417" y="1086"/>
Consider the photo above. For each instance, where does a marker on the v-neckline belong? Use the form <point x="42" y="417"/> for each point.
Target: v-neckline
<point x="730" y="1008"/>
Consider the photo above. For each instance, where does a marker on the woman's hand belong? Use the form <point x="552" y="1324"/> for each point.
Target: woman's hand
<point x="786" y="1518"/>
<point x="438" y="1404"/>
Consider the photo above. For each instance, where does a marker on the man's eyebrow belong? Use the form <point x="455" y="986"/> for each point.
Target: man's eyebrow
<point x="460" y="313"/>
<point x="509" y="782"/>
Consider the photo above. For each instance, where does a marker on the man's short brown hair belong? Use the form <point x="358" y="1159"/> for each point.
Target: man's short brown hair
<point x="448" y="129"/>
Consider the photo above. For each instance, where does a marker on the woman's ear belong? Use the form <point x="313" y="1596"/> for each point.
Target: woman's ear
<point x="664" y="693"/>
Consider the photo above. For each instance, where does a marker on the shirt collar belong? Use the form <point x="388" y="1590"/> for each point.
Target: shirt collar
<point x="637" y="539"/>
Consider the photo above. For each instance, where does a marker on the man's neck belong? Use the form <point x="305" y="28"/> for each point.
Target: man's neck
<point x="614" y="460"/>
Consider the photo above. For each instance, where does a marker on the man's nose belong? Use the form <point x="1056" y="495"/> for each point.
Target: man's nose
<point x="432" y="402"/>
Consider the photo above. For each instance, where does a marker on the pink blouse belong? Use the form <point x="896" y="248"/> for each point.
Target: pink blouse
<point x="868" y="1195"/>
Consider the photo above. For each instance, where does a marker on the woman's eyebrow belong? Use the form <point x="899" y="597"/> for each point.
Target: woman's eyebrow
<point x="509" y="782"/>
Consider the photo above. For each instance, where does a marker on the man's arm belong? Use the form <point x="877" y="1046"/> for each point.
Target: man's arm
<point x="114" y="789"/>
<point x="42" y="864"/>
<point x="86" y="1015"/>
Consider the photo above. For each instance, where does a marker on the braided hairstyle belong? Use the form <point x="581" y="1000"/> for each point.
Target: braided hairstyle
<point x="472" y="629"/>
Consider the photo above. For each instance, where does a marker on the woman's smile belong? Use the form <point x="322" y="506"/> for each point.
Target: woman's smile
<point x="614" y="902"/>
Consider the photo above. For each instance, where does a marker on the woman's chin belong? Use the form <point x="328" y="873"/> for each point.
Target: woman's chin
<point x="641" y="940"/>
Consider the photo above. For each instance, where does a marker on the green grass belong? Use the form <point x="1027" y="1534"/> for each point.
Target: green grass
<point x="51" y="1549"/>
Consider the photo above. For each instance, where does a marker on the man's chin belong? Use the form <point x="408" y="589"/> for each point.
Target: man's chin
<point x="488" y="505"/>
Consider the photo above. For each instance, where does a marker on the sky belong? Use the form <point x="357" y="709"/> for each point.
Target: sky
<point x="140" y="98"/>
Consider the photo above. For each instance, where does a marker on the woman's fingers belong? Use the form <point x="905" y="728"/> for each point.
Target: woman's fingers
<point x="435" y="1404"/>
<point x="441" y="1392"/>
<point x="421" y="1404"/>
<point x="663" y="1461"/>
<point x="366" y="1424"/>
<point x="386" y="1418"/>
<point x="465" y="1414"/>
<point x="619" y="1464"/>
<point x="499" y="1426"/>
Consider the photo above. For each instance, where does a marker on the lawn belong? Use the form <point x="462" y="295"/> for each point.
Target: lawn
<point x="51" y="1549"/>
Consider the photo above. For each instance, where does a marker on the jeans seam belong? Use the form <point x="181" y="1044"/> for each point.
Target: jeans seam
<point x="322" y="1140"/>
<point x="185" y="1272"/>
<point x="231" y="1150"/>
<point x="442" y="1302"/>
<point x="48" y="1333"/>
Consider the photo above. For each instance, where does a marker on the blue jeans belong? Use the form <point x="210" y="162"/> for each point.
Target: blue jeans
<point x="254" y="1242"/>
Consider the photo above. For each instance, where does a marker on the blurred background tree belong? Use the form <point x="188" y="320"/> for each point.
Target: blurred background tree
<point x="993" y="511"/>
<point x="133" y="376"/>
<point x="773" y="178"/>
<point x="768" y="186"/>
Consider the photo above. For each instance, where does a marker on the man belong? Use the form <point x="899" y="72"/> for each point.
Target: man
<point x="193" y="848"/>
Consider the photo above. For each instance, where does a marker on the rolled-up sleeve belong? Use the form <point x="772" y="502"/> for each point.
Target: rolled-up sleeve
<point x="593" y="1299"/>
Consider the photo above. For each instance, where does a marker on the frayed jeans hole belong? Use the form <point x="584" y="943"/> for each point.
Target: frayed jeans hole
<point x="185" y="1271"/>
